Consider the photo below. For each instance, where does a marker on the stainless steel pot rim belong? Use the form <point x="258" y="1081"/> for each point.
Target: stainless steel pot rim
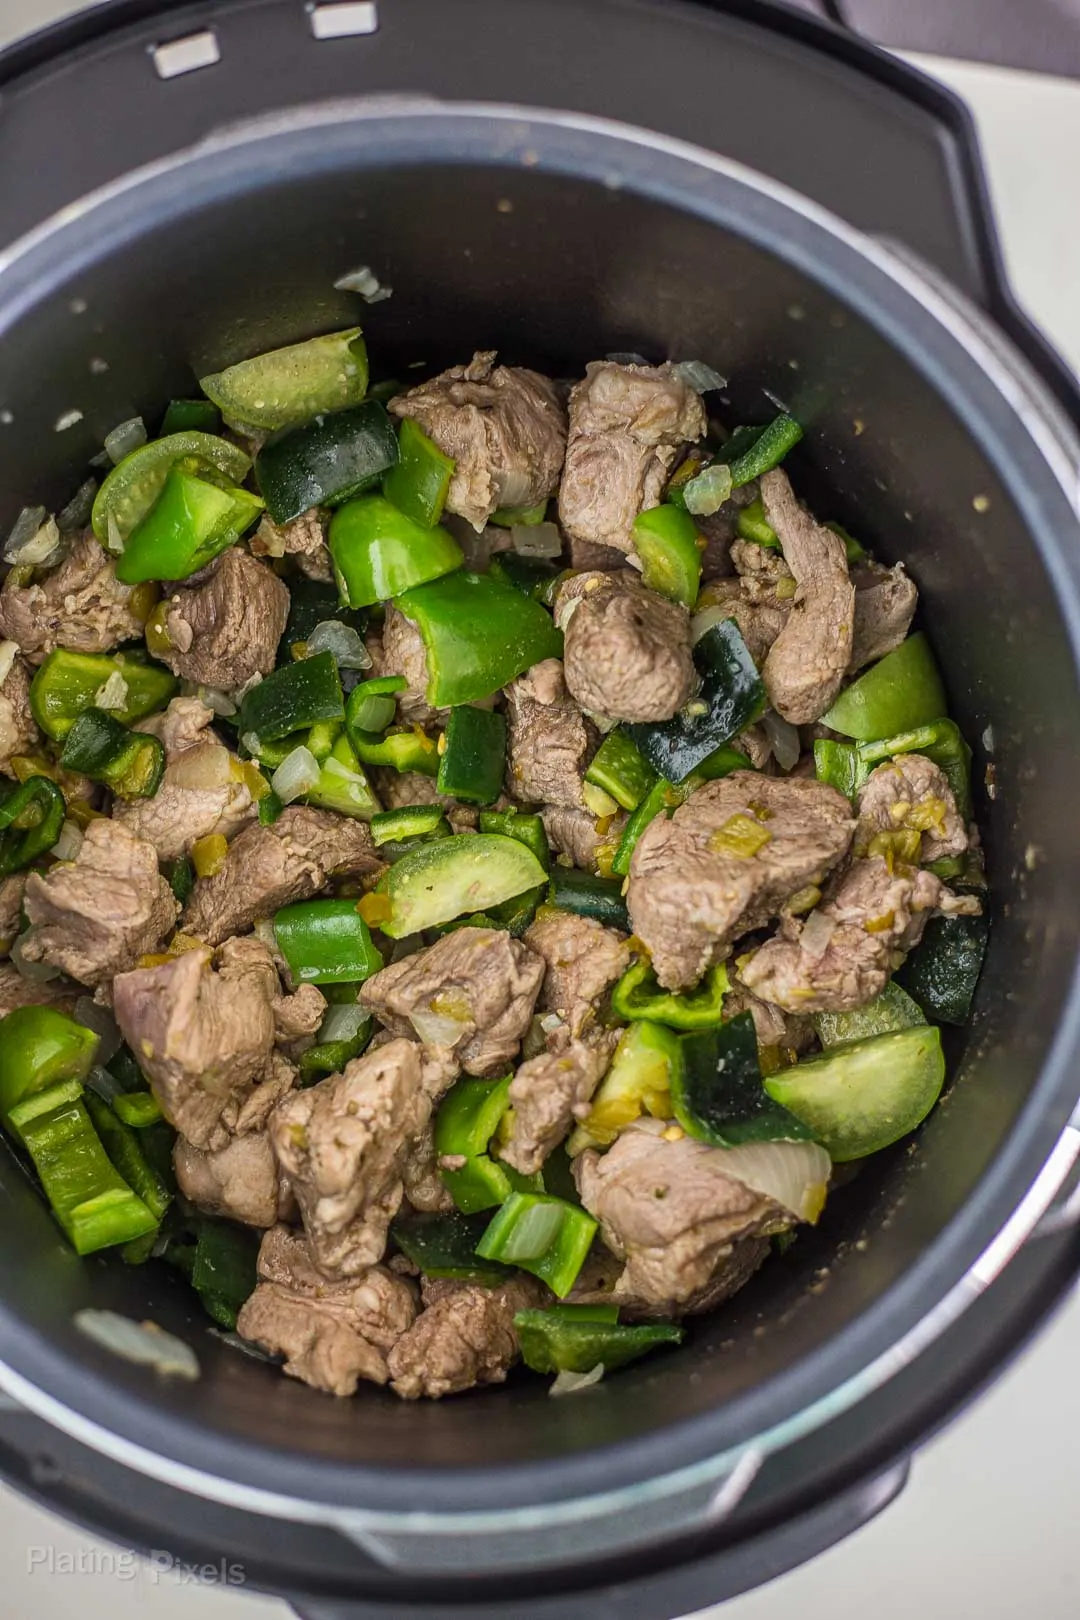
<point x="1005" y="405"/>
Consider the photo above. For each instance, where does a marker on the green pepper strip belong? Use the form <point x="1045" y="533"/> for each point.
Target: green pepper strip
<point x="292" y="698"/>
<point x="660" y="797"/>
<point x="223" y="1271"/>
<point x="139" y="1109"/>
<point x="190" y="416"/>
<point x="666" y="540"/>
<point x="553" y="1344"/>
<point x="901" y="692"/>
<point x="527" y="829"/>
<point x="473" y="761"/>
<point x="402" y="751"/>
<point x="181" y="876"/>
<point x="838" y="764"/>
<point x="620" y="770"/>
<point x="124" y="1149"/>
<point x="326" y="942"/>
<point x="379" y="552"/>
<point x="754" y="525"/>
<point x="190" y="524"/>
<point x="411" y="821"/>
<point x="469" y="1116"/>
<point x="372" y="704"/>
<point x="527" y="517"/>
<point x="478" y="634"/>
<point x="31" y="818"/>
<point x="67" y="684"/>
<point x="40" y="1047"/>
<point x="542" y="1235"/>
<point x="638" y="995"/>
<point x="589" y="896"/>
<point x="717" y="1090"/>
<point x="445" y="1246"/>
<point x="420" y="483"/>
<point x="130" y="763"/>
<point x="749" y="457"/>
<point x="481" y="1184"/>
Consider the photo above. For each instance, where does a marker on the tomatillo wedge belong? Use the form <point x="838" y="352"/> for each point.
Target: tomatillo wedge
<point x="901" y="692"/>
<point x="133" y="486"/>
<point x="288" y="386"/>
<point x="453" y="877"/>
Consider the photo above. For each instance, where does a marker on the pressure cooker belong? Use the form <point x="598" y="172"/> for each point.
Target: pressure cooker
<point x="728" y="181"/>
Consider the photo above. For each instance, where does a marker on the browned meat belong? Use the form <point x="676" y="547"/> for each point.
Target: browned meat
<point x="80" y="605"/>
<point x="202" y="1036"/>
<point x="225" y="628"/>
<point x="689" y="1233"/>
<point x="505" y="428"/>
<point x="627" y="426"/>
<point x="911" y="794"/>
<point x="691" y="895"/>
<point x="298" y="1016"/>
<point x="183" y="725"/>
<point x="588" y="558"/>
<point x="480" y="979"/>
<point x="15" y="991"/>
<point x="18" y="729"/>
<point x="240" y="1181"/>
<point x="576" y="834"/>
<point x="551" y="1092"/>
<point x="331" y="1333"/>
<point x="183" y="810"/>
<point x="343" y="1144"/>
<point x="403" y="653"/>
<point x="754" y="742"/>
<point x="809" y="658"/>
<point x="760" y="621"/>
<point x="424" y="1186"/>
<point x="304" y="540"/>
<point x="95" y="916"/>
<point x="877" y="915"/>
<point x="12" y="890"/>
<point x="885" y="602"/>
<point x="583" y="960"/>
<point x="760" y="568"/>
<point x="550" y="741"/>
<point x="627" y="650"/>
<point x="269" y="867"/>
<point x="464" y="1337"/>
<point x="772" y="1026"/>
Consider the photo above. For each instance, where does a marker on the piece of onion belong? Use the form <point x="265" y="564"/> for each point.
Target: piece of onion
<point x="33" y="972"/>
<point x="91" y="1015"/>
<point x="218" y="702"/>
<point x="698" y="376"/>
<point x="113" y="694"/>
<point x="704" y="621"/>
<point x="33" y="539"/>
<point x="816" y="936"/>
<point x="706" y="493"/>
<point x="345" y="643"/>
<point x="626" y="358"/>
<point x="436" y="1029"/>
<point x="142" y="1342"/>
<point x="9" y="651"/>
<point x="568" y="1383"/>
<point x="271" y="539"/>
<point x="126" y="437"/>
<point x="204" y="768"/>
<point x="297" y="774"/>
<point x="69" y="843"/>
<point x="796" y="1174"/>
<point x="252" y="742"/>
<point x="365" y="282"/>
<point x="783" y="739"/>
<point x="550" y="1022"/>
<point x="343" y="1022"/>
<point x="536" y="539"/>
<point x="77" y="513"/>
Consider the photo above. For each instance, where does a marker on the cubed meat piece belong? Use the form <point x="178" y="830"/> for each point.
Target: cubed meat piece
<point x="225" y="628"/>
<point x="81" y="605"/>
<point x="403" y="653"/>
<point x="95" y="916"/>
<point x="472" y="992"/>
<point x="201" y="1034"/>
<point x="269" y="867"/>
<point x="627" y="650"/>
<point x="885" y="603"/>
<point x="628" y="424"/>
<point x="184" y="724"/>
<point x="18" y="728"/>
<point x="16" y="991"/>
<point x="688" y="1233"/>
<point x="505" y="428"/>
<point x="344" y="1143"/>
<point x="464" y="1337"/>
<point x="582" y="960"/>
<point x="550" y="742"/>
<point x="241" y="1181"/>
<point x="304" y="540"/>
<point x="759" y="613"/>
<point x="808" y="660"/>
<point x="551" y="1093"/>
<point x="911" y="794"/>
<point x="297" y="1017"/>
<point x="202" y="793"/>
<point x="726" y="862"/>
<point x="331" y="1334"/>
<point x="12" y="891"/>
<point x="576" y="834"/>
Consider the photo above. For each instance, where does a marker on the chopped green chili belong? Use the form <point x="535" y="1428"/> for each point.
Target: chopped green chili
<point x="542" y="1235"/>
<point x="326" y="942"/>
<point x="753" y="451"/>
<point x="40" y="1047"/>
<point x="420" y="483"/>
<point x="31" y="819"/>
<point x="445" y="1246"/>
<point x="68" y="683"/>
<point x="638" y="995"/>
<point x="129" y="763"/>
<point x="943" y="970"/>
<point x="551" y="1343"/>
<point x="619" y="768"/>
<point x="667" y="542"/>
<point x="473" y="761"/>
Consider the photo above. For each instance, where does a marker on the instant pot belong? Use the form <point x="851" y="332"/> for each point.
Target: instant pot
<point x="731" y="182"/>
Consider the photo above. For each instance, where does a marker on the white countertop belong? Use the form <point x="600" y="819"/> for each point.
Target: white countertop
<point x="987" y="1524"/>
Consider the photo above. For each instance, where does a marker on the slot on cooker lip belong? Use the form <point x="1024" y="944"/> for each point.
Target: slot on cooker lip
<point x="343" y="19"/>
<point x="175" y="57"/>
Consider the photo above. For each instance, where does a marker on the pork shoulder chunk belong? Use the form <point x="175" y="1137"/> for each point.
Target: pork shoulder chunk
<point x="203" y="792"/>
<point x="241" y="1181"/>
<point x="225" y="627"/>
<point x="551" y="1093"/>
<point x="807" y="662"/>
<point x="912" y="794"/>
<point x="627" y="650"/>
<point x="576" y="834"/>
<point x="80" y="605"/>
<point x="582" y="960"/>
<point x="885" y="603"/>
<point x="550" y="741"/>
<point x="18" y="728"/>
<point x="464" y="1337"/>
<point x="304" y="540"/>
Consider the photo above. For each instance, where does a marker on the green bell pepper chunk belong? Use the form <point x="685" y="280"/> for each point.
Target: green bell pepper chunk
<point x="40" y="1047"/>
<point x="754" y="525"/>
<point x="129" y="763"/>
<point x="67" y="684"/>
<point x="190" y="416"/>
<point x="717" y="1091"/>
<point x="31" y="819"/>
<point x="223" y="1270"/>
<point x="94" y="1206"/>
<point x="291" y="698"/>
<point x="372" y="705"/>
<point x="732" y="697"/>
<point x="553" y="1343"/>
<point x="524" y="517"/>
<point x="752" y="451"/>
<point x="469" y="1116"/>
<point x="527" y="829"/>
<point x="379" y="552"/>
<point x="943" y="970"/>
<point x="326" y="942"/>
<point x="402" y="751"/>
<point x="638" y="995"/>
<point x="589" y="896"/>
<point x="412" y="821"/>
<point x="542" y="1235"/>
<point x="478" y="633"/>
<point x="125" y="1152"/>
<point x="445" y="1246"/>
<point x="901" y="692"/>
<point x="285" y="387"/>
<point x="892" y="1009"/>
<point x="667" y="541"/>
<point x="639" y="1080"/>
<point x="453" y="877"/>
<point x="181" y="876"/>
<point x="473" y="761"/>
<point x="135" y="484"/>
<point x="838" y="764"/>
<point x="420" y="483"/>
<point x="139" y="1109"/>
<point x="620" y="770"/>
<point x="342" y="784"/>
<point x="482" y="1183"/>
<point x="190" y="524"/>
<point x="532" y="576"/>
<point x="327" y="461"/>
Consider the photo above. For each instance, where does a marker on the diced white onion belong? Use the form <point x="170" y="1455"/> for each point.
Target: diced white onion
<point x="568" y="1383"/>
<point x="783" y="739"/>
<point x="626" y="358"/>
<point x="77" y="512"/>
<point x="704" y="621"/>
<point x="816" y="936"/>
<point x="9" y="651"/>
<point x="252" y="742"/>
<point x="204" y="768"/>
<point x="345" y="643"/>
<point x="436" y="1029"/>
<point x="550" y="1022"/>
<point x="128" y="436"/>
<point x="69" y="843"/>
<point x="91" y="1015"/>
<point x="698" y="376"/>
<point x="142" y="1342"/>
<point x="298" y="773"/>
<point x="114" y="693"/>
<point x="536" y="539"/>
<point x="33" y="539"/>
<point x="343" y="1022"/>
<point x="33" y="972"/>
<point x="219" y="702"/>
<point x="796" y="1174"/>
<point x="365" y="282"/>
<point x="708" y="490"/>
<point x="69" y="419"/>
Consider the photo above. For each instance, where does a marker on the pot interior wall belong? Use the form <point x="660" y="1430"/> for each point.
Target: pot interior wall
<point x="553" y="272"/>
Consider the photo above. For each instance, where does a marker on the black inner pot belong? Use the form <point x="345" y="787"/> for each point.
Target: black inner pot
<point x="558" y="245"/>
